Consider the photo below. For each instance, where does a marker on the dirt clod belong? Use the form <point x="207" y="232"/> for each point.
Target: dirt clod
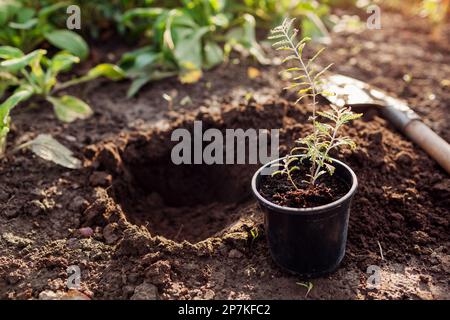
<point x="145" y="291"/>
<point x="100" y="179"/>
<point x="234" y="254"/>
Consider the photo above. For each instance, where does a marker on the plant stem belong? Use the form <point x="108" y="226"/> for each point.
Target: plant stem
<point x="313" y="88"/>
<point x="2" y="145"/>
<point x="335" y="130"/>
<point x="69" y="83"/>
<point x="292" y="180"/>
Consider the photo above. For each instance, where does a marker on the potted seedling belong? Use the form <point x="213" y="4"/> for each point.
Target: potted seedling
<point x="306" y="195"/>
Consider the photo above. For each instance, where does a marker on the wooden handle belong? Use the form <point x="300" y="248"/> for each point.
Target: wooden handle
<point x="429" y="141"/>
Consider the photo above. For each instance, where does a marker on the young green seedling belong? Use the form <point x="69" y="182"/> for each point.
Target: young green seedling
<point x="193" y="36"/>
<point x="307" y="79"/>
<point x="35" y="74"/>
<point x="25" y="25"/>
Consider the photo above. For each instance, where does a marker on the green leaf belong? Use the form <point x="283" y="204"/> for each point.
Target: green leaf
<point x="62" y="61"/>
<point x="46" y="147"/>
<point x="25" y="25"/>
<point x="141" y="13"/>
<point x="243" y="39"/>
<point x="296" y="84"/>
<point x="107" y="70"/>
<point x="21" y="94"/>
<point x="318" y="75"/>
<point x="213" y="54"/>
<point x="295" y="168"/>
<point x="135" y="62"/>
<point x="25" y="14"/>
<point x="327" y="115"/>
<point x="7" y="52"/>
<point x="288" y="58"/>
<point x="349" y="117"/>
<point x="346" y="141"/>
<point x="138" y="83"/>
<point x="47" y="10"/>
<point x="290" y="160"/>
<point x="188" y="49"/>
<point x="322" y="127"/>
<point x="330" y="168"/>
<point x="69" y="108"/>
<point x="7" y="80"/>
<point x="313" y="27"/>
<point x="14" y="65"/>
<point x="315" y="56"/>
<point x="68" y="40"/>
<point x="304" y="91"/>
<point x="277" y="172"/>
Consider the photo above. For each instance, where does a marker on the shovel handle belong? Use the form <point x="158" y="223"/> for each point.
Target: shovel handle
<point x="429" y="141"/>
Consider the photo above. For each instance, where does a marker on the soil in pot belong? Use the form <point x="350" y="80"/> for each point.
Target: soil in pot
<point x="279" y="190"/>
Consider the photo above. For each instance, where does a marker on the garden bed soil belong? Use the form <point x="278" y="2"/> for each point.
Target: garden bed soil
<point x="138" y="226"/>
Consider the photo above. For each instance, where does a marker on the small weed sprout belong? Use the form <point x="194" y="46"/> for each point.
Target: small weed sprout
<point x="307" y="80"/>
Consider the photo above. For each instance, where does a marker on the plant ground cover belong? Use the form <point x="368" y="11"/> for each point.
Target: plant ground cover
<point x="401" y="206"/>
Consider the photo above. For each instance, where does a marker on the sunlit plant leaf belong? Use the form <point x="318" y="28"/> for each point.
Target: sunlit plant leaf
<point x="46" y="147"/>
<point x="69" y="108"/>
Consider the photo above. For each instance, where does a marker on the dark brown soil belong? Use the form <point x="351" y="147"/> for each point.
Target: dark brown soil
<point x="279" y="190"/>
<point x="136" y="225"/>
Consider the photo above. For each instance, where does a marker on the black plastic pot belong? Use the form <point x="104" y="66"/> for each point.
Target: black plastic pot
<point x="309" y="242"/>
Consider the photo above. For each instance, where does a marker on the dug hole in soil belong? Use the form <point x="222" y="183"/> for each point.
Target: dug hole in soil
<point x="140" y="227"/>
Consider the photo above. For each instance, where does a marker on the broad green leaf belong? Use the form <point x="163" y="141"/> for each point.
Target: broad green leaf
<point x="7" y="52"/>
<point x="314" y="28"/>
<point x="14" y="65"/>
<point x="107" y="70"/>
<point x="131" y="56"/>
<point x="145" y="60"/>
<point x="243" y="39"/>
<point x="46" y="147"/>
<point x="136" y="85"/>
<point x="25" y="25"/>
<point x="25" y="14"/>
<point x="69" y="108"/>
<point x="21" y="94"/>
<point x="213" y="54"/>
<point x="68" y="40"/>
<point x="139" y="82"/>
<point x="62" y="61"/>
<point x="6" y="80"/>
<point x="188" y="49"/>
<point x="140" y="13"/>
<point x="47" y="10"/>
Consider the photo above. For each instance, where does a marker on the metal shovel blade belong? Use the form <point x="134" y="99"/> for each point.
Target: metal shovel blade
<point x="351" y="92"/>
